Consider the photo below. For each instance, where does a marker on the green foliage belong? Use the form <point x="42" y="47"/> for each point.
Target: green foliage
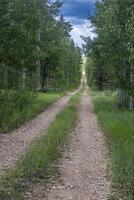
<point x="119" y="130"/>
<point x="112" y="48"/>
<point x="20" y="107"/>
<point x="36" y="53"/>
<point x="95" y="77"/>
<point x="40" y="155"/>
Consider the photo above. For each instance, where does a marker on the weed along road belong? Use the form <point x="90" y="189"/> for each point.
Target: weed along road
<point x="83" y="166"/>
<point x="14" y="144"/>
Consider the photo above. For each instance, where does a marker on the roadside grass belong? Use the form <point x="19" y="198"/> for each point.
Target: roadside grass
<point x="12" y="117"/>
<point x="119" y="129"/>
<point x="35" y="165"/>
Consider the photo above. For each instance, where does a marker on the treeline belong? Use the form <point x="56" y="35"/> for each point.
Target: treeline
<point x="110" y="63"/>
<point x="35" y="48"/>
<point x="36" y="53"/>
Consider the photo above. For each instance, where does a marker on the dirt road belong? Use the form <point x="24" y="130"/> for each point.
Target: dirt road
<point x="13" y="145"/>
<point x="83" y="168"/>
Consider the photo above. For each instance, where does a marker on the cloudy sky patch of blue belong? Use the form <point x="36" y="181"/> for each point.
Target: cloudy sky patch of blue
<point x="78" y="8"/>
<point x="77" y="12"/>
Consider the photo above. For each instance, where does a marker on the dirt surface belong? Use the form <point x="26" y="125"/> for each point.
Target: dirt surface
<point x="13" y="145"/>
<point x="83" y="168"/>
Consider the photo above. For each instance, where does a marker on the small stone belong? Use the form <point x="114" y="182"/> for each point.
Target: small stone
<point x="70" y="198"/>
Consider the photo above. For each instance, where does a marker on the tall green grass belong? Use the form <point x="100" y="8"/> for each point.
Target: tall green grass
<point x="119" y="128"/>
<point x="12" y="115"/>
<point x="41" y="154"/>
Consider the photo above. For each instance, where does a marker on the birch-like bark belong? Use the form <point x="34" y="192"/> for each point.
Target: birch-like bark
<point x="38" y="63"/>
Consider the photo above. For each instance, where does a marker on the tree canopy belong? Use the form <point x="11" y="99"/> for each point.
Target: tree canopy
<point x="112" y="50"/>
<point x="36" y="52"/>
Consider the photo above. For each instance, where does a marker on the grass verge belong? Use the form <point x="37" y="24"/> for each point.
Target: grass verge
<point x="15" y="116"/>
<point x="40" y="155"/>
<point x="119" y="129"/>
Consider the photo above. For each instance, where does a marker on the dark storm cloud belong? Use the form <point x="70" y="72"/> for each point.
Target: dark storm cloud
<point x="77" y="11"/>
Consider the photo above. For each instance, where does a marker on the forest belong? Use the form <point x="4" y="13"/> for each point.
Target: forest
<point x="111" y="53"/>
<point x="36" y="54"/>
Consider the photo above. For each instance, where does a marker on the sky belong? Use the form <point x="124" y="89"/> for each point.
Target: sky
<point x="77" y="12"/>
